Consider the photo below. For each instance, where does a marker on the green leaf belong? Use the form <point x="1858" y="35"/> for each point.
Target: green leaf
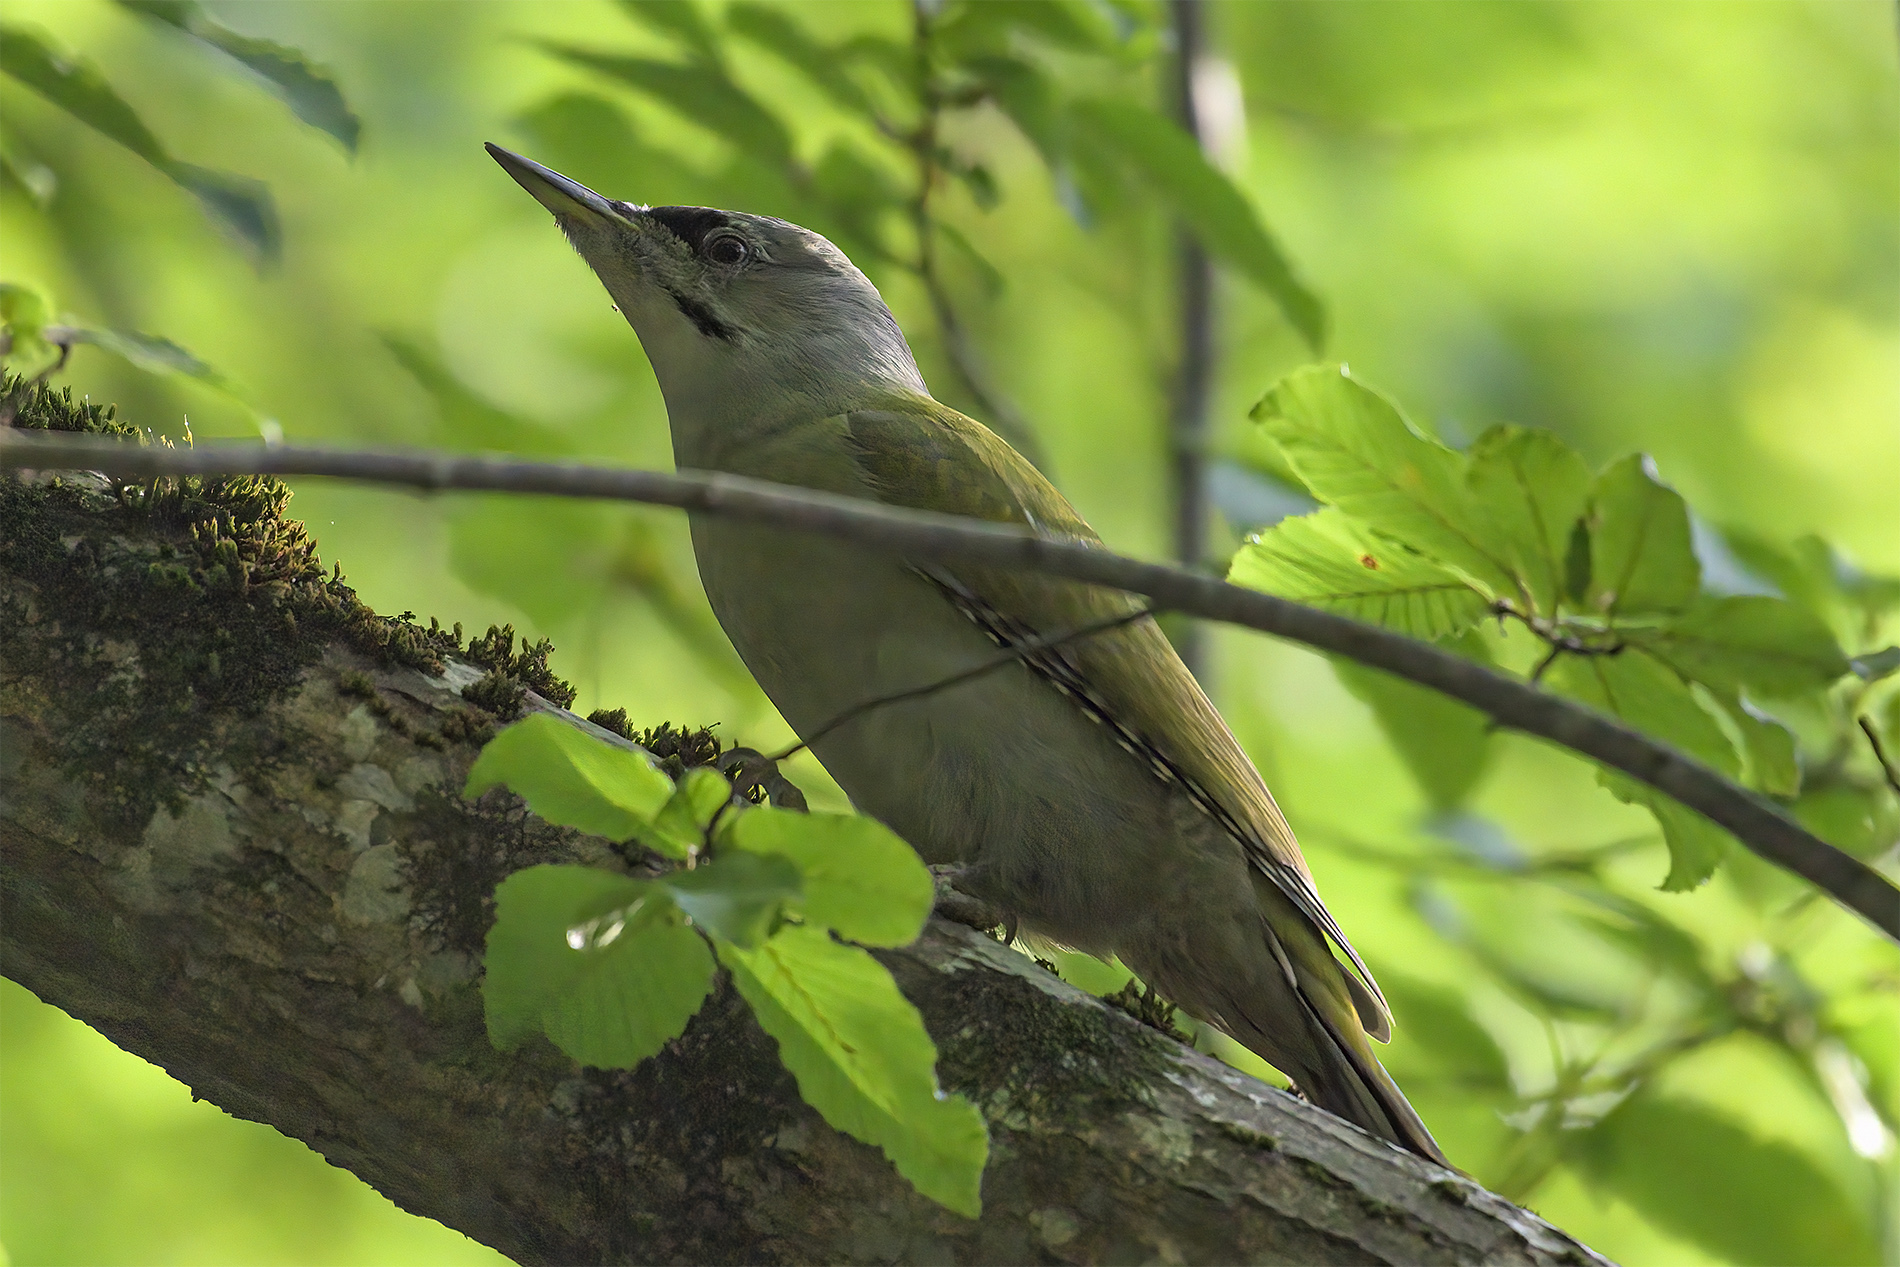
<point x="24" y="315"/>
<point x="307" y="89"/>
<point x="861" y="880"/>
<point x="1577" y="564"/>
<point x="1534" y="488"/>
<point x="572" y="779"/>
<point x="1067" y="24"/>
<point x="1645" y="695"/>
<point x="1697" y="1175"/>
<point x="1446" y="745"/>
<point x="863" y="1059"/>
<point x="1641" y="559"/>
<point x="699" y="93"/>
<point x="1435" y="1022"/>
<point x="1876" y="664"/>
<point x="1864" y="821"/>
<point x="600" y="962"/>
<point x="684" y="20"/>
<point x="151" y="353"/>
<point x="1768" y="645"/>
<point x="679" y="829"/>
<point x="239" y="204"/>
<point x="1204" y="198"/>
<point x="1352" y="447"/>
<point x="738" y="897"/>
<point x="779" y="32"/>
<point x="1767" y="745"/>
<point x="1031" y="100"/>
<point x="20" y="169"/>
<point x="1327" y="560"/>
<point x="80" y="90"/>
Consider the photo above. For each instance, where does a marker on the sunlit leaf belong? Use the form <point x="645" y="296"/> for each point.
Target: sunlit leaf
<point x="1352" y="447"/>
<point x="599" y="962"/>
<point x="1697" y="1175"/>
<point x="572" y="779"/>
<point x="679" y="828"/>
<point x="684" y="20"/>
<point x="1862" y="820"/>
<point x="863" y="1059"/>
<point x="1648" y="937"/>
<point x="1641" y="559"/>
<point x="860" y="195"/>
<point x="1327" y="560"/>
<point x="778" y="31"/>
<point x="1876" y="664"/>
<point x="1435" y="1022"/>
<point x="1031" y="99"/>
<point x="1446" y="745"/>
<point x="308" y="89"/>
<point x="1533" y="487"/>
<point x="738" y="897"/>
<point x="860" y="879"/>
<point x="1071" y="24"/>
<point x="149" y="352"/>
<point x="241" y="205"/>
<point x="21" y="170"/>
<point x="24" y="314"/>
<point x="593" y="140"/>
<point x="1767" y="745"/>
<point x="1203" y="196"/>
<point x="1812" y="573"/>
<point x="79" y="89"/>
<point x="1645" y="695"/>
<point x="994" y="283"/>
<point x="701" y="94"/>
<point x="1768" y="645"/>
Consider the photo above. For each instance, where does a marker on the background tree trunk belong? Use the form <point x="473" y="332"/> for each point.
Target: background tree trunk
<point x="232" y="840"/>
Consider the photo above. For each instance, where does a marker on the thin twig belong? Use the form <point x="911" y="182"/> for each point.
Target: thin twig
<point x="1757" y="822"/>
<point x="1880" y="753"/>
<point x="1008" y="657"/>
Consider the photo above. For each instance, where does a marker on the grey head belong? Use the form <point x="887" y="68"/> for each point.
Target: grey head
<point x="749" y="321"/>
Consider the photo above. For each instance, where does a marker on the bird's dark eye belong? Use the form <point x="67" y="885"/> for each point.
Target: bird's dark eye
<point x="727" y="249"/>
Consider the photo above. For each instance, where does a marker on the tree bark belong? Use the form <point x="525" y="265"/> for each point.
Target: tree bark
<point x="232" y="840"/>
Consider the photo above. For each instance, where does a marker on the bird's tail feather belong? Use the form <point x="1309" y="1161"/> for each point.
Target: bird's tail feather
<point x="1356" y="1086"/>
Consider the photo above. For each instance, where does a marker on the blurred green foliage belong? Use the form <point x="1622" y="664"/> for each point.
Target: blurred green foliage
<point x="1665" y="228"/>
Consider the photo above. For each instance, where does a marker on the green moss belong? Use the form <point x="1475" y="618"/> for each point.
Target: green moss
<point x="679" y="748"/>
<point x="1051" y="1053"/>
<point x="526" y="669"/>
<point x="37" y="407"/>
<point x="179" y="600"/>
<point x="499" y="693"/>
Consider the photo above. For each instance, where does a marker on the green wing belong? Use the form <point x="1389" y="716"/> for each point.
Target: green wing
<point x="915" y="452"/>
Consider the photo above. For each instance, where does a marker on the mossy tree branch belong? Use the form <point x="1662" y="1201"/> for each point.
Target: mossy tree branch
<point x="231" y="840"/>
<point x="1758" y="823"/>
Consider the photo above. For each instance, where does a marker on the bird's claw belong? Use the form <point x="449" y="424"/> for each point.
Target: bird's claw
<point x="749" y="768"/>
<point x="959" y="906"/>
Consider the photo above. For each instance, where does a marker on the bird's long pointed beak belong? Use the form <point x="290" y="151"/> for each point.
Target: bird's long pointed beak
<point x="551" y="189"/>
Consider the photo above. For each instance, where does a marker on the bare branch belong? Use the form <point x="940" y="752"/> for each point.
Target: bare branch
<point x="1195" y="373"/>
<point x="1758" y="823"/>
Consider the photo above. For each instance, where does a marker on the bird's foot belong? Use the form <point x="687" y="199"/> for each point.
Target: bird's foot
<point x="959" y="906"/>
<point x="751" y="769"/>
